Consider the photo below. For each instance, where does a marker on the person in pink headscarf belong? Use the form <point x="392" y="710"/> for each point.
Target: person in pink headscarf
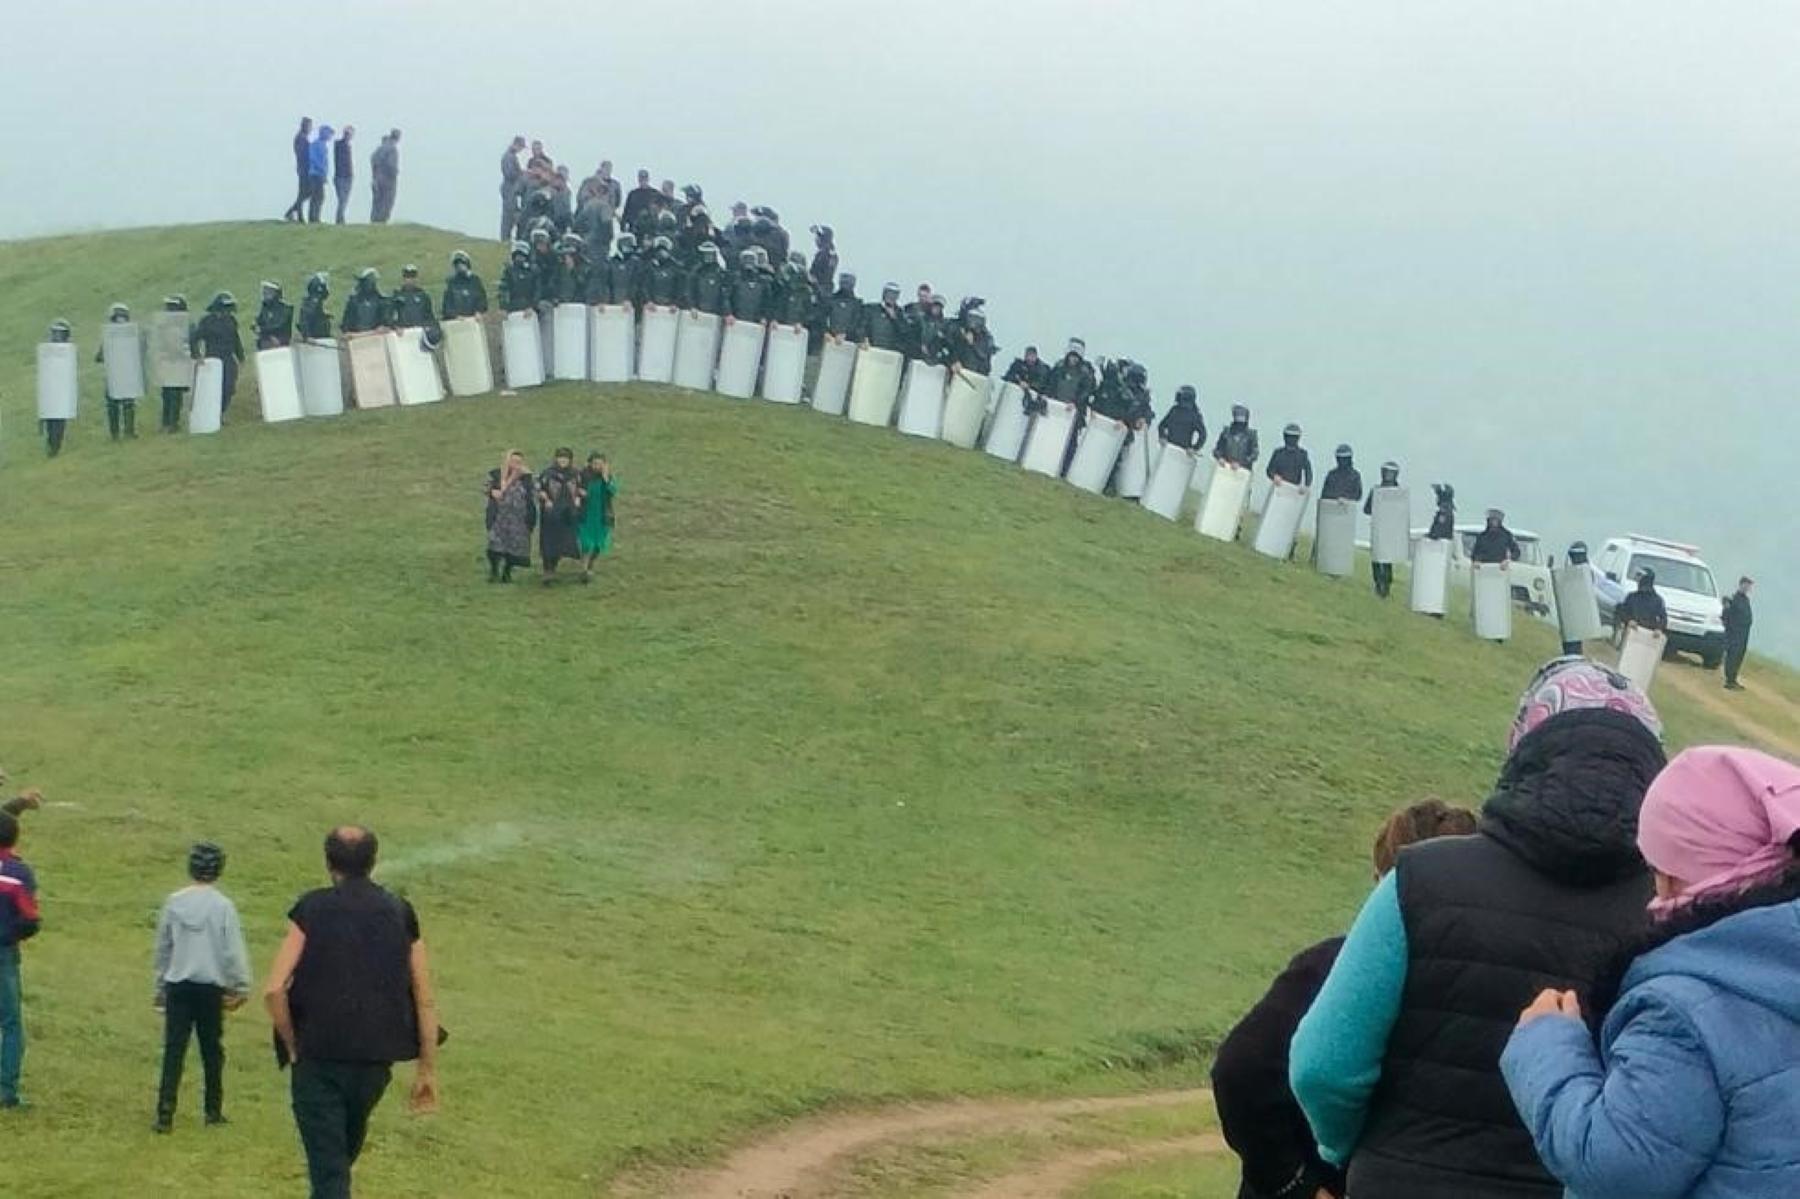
<point x="1694" y="1087"/>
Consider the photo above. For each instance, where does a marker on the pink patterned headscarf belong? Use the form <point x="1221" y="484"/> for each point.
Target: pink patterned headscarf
<point x="1571" y="684"/>
<point x="1720" y="820"/>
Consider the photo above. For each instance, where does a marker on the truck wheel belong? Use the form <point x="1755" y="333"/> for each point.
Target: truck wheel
<point x="1711" y="659"/>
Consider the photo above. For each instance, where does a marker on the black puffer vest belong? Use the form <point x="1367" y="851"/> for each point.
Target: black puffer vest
<point x="1545" y="895"/>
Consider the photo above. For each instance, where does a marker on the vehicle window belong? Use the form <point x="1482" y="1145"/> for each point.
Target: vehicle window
<point x="1468" y="544"/>
<point x="1531" y="552"/>
<point x="1674" y="572"/>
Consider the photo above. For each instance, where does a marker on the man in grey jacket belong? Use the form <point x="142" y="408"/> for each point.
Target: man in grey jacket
<point x="202" y="971"/>
<point x="384" y="171"/>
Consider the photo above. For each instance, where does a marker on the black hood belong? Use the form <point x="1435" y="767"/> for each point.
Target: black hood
<point x="1567" y="799"/>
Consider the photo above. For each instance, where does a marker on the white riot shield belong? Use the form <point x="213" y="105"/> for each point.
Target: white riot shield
<point x="56" y="380"/>
<point x="371" y="373"/>
<point x="171" y="362"/>
<point x="466" y="358"/>
<point x="1169" y="482"/>
<point x="965" y="407"/>
<point x="569" y="343"/>
<point x="696" y="349"/>
<point x="416" y="378"/>
<point x="1223" y="508"/>
<point x="546" y="319"/>
<point x="831" y="390"/>
<point x="1577" y="608"/>
<point x="321" y="378"/>
<point x="612" y="336"/>
<point x="1007" y="430"/>
<point x="1096" y="453"/>
<point x="204" y="416"/>
<point x="1048" y="439"/>
<point x="1430" y="575"/>
<point x="520" y="352"/>
<point x="739" y="357"/>
<point x="1642" y="651"/>
<point x="922" y="400"/>
<point x="1334" y="538"/>
<point x="784" y="364"/>
<point x="122" y="348"/>
<point x="1390" y="525"/>
<point x="1280" y="523"/>
<point x="1136" y="462"/>
<point x="278" y="382"/>
<point x="1491" y="584"/>
<point x="656" y="345"/>
<point x="875" y="386"/>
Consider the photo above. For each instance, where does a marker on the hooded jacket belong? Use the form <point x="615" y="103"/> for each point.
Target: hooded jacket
<point x="318" y="154"/>
<point x="199" y="940"/>
<point x="1182" y="425"/>
<point x="1694" y="1092"/>
<point x="1397" y="1064"/>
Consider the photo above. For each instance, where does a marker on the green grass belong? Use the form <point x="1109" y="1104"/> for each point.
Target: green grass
<point x="867" y="769"/>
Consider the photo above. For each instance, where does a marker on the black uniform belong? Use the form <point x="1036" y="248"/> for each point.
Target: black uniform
<point x="883" y="326"/>
<point x="1183" y="425"/>
<point x="1291" y="464"/>
<point x="824" y="266"/>
<point x="410" y="308"/>
<point x="1342" y="483"/>
<point x="1737" y="617"/>
<point x="796" y="301"/>
<point x="366" y="309"/>
<point x="464" y="295"/>
<point x="1494" y="544"/>
<point x="1032" y="376"/>
<point x="1381" y="572"/>
<point x="274" y="324"/>
<point x="660" y="283"/>
<point x="1237" y="445"/>
<point x="969" y="347"/>
<point x="314" y="322"/>
<point x="1072" y="381"/>
<point x="569" y="282"/>
<point x="1642" y="607"/>
<point x="707" y="288"/>
<point x="216" y="336"/>
<point x="844" y="315"/>
<point x="519" y="285"/>
<point x="752" y="296"/>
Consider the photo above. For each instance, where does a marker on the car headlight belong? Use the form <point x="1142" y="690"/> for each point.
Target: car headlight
<point x="1537" y="584"/>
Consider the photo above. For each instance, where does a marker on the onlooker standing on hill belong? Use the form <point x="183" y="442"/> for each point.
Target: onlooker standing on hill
<point x="302" y="171"/>
<point x="1694" y="1089"/>
<point x="1258" y="1114"/>
<point x="643" y="197"/>
<point x="343" y="170"/>
<point x="350" y="995"/>
<point x="1397" y="1065"/>
<point x="1737" y="618"/>
<point x="19" y="921"/>
<point x="202" y="971"/>
<point x="512" y="188"/>
<point x="384" y="172"/>
<point x="318" y="170"/>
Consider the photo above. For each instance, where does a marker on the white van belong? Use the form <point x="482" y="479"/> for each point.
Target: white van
<point x="1530" y="574"/>
<point x="1685" y="583"/>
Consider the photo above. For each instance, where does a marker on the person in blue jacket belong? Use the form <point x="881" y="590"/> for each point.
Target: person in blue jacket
<point x="318" y="169"/>
<point x="1694" y="1089"/>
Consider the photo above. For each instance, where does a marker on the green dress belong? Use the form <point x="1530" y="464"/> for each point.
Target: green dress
<point x="596" y="527"/>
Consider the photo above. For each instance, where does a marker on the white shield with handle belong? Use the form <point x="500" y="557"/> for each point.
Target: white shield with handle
<point x="1491" y="586"/>
<point x="466" y="358"/>
<point x="416" y="378"/>
<point x="1169" y="482"/>
<point x="1223" y="508"/>
<point x="122" y="346"/>
<point x="278" y="383"/>
<point x="1009" y="425"/>
<point x="1283" y="510"/>
<point x="696" y="349"/>
<point x="1639" y="656"/>
<point x="831" y="390"/>
<point x="965" y="407"/>
<point x="656" y="344"/>
<point x="1096" y="453"/>
<point x="1136" y="461"/>
<point x="1430" y="576"/>
<point x="738" y="359"/>
<point x="371" y="370"/>
<point x="612" y="334"/>
<point x="521" y="352"/>
<point x="1390" y="525"/>
<point x="1577" y="608"/>
<point x="171" y="361"/>
<point x="568" y="344"/>
<point x="205" y="414"/>
<point x="922" y="400"/>
<point x="1334" y="541"/>
<point x="321" y="378"/>
<point x="784" y="364"/>
<point x="57" y="389"/>
<point x="1048" y="439"/>
<point x="875" y="387"/>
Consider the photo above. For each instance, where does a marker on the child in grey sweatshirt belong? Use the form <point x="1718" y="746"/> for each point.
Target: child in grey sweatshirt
<point x="202" y="970"/>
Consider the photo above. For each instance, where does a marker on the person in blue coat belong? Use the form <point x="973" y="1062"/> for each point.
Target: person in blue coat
<point x="1693" y="1090"/>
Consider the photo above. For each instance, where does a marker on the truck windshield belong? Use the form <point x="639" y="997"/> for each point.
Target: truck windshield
<point x="1675" y="572"/>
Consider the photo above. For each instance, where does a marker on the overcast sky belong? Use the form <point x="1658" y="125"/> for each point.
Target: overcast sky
<point x="1546" y="251"/>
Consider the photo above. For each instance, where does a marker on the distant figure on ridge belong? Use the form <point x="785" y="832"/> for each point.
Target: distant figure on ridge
<point x="384" y="173"/>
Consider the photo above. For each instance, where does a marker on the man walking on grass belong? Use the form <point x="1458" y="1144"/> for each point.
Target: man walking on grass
<point x="302" y="172"/>
<point x="19" y="920"/>
<point x="202" y="972"/>
<point x="350" y="995"/>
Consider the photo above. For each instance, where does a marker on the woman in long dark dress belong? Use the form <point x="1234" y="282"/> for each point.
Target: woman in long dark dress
<point x="559" y="499"/>
<point x="511" y="515"/>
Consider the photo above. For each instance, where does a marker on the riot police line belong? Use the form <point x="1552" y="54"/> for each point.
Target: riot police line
<point x="756" y="332"/>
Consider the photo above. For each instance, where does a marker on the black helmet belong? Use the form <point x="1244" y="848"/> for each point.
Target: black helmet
<point x="61" y="330"/>
<point x="1578" y="552"/>
<point x="1390" y="467"/>
<point x="178" y="302"/>
<point x="847" y="281"/>
<point x="1343" y="450"/>
<point x="761" y="225"/>
<point x="460" y="258"/>
<point x="1185" y="394"/>
<point x="665" y="219"/>
<point x="223" y="302"/>
<point x="521" y="250"/>
<point x="271" y="290"/>
<point x="206" y="862"/>
<point x="1646" y="578"/>
<point x="692" y="192"/>
<point x="1290" y="431"/>
<point x="368" y="275"/>
<point x="823" y="233"/>
<point x="1240" y="412"/>
<point x="1135" y="373"/>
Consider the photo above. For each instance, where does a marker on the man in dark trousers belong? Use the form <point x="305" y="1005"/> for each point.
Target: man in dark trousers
<point x="512" y="188"/>
<point x="384" y="171"/>
<point x="1737" y="631"/>
<point x="318" y="170"/>
<point x="19" y="920"/>
<point x="1382" y="572"/>
<point x="643" y="197"/>
<point x="350" y="995"/>
<point x="343" y="169"/>
<point x="302" y="172"/>
<point x="216" y="336"/>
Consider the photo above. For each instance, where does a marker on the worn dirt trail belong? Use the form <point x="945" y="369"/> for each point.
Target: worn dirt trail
<point x="805" y="1160"/>
<point x="1703" y="688"/>
<point x="1060" y="1175"/>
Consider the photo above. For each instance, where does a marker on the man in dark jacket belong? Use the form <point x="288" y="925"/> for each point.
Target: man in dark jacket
<point x="1495" y="543"/>
<point x="752" y="290"/>
<point x="1343" y="481"/>
<point x="367" y="309"/>
<point x="518" y="290"/>
<point x="1443" y="521"/>
<point x="844" y="310"/>
<point x="343" y="170"/>
<point x="825" y="256"/>
<point x="274" y="319"/>
<point x="1643" y="607"/>
<point x="1737" y="618"/>
<point x="660" y="281"/>
<point x="967" y="344"/>
<point x="512" y="189"/>
<point x="216" y="336"/>
<point x="642" y="199"/>
<point x="1397" y="1062"/>
<point x="1182" y="425"/>
<point x="1030" y="372"/>
<point x="410" y="307"/>
<point x="302" y="172"/>
<point x="1290" y="463"/>
<point x="708" y="287"/>
<point x="614" y="281"/>
<point x="883" y="325"/>
<point x="384" y="171"/>
<point x="1237" y="444"/>
<point x="464" y="293"/>
<point x="925" y="333"/>
<point x="350" y="995"/>
<point x="1073" y="380"/>
<point x="20" y="919"/>
<point x="796" y="300"/>
<point x="314" y="323"/>
<point x="1382" y="572"/>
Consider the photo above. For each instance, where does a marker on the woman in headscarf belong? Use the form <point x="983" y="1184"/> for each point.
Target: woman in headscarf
<point x="511" y="515"/>
<point x="559" y="497"/>
<point x="1397" y="1064"/>
<point x="594" y="534"/>
<point x="1694" y="1088"/>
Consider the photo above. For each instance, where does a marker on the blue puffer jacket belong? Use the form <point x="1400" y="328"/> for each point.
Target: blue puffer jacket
<point x="1695" y="1091"/>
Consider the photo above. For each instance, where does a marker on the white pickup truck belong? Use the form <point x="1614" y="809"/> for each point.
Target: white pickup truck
<point x="1685" y="583"/>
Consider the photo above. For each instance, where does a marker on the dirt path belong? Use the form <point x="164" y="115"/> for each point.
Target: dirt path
<point x="803" y="1161"/>
<point x="1060" y="1175"/>
<point x="1703" y="688"/>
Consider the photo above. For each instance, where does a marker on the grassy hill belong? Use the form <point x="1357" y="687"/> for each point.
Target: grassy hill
<point x="868" y="768"/>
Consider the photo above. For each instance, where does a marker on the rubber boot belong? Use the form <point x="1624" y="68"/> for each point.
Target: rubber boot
<point x="130" y="418"/>
<point x="112" y="418"/>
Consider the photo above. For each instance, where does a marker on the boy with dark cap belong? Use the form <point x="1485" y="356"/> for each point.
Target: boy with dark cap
<point x="202" y="972"/>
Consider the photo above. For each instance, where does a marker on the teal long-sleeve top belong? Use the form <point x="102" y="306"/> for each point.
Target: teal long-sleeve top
<point x="1336" y="1057"/>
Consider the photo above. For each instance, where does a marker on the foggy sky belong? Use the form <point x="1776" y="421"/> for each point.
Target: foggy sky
<point x="1546" y="251"/>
